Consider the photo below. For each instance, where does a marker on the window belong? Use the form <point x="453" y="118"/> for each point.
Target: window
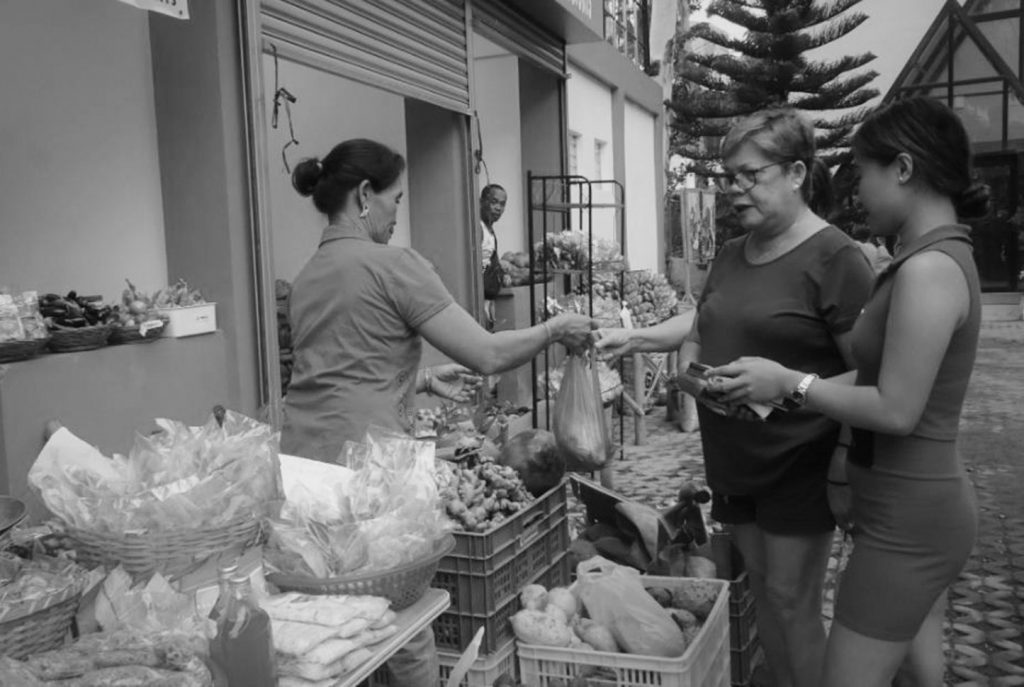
<point x="599" y="148"/>
<point x="574" y="153"/>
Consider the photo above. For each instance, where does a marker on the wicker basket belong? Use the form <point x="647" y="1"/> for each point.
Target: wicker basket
<point x="402" y="586"/>
<point x="81" y="339"/>
<point x="130" y="335"/>
<point x="13" y="351"/>
<point x="171" y="553"/>
<point x="41" y="629"/>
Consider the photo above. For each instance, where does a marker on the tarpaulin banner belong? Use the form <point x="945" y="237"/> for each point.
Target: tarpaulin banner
<point x="173" y="8"/>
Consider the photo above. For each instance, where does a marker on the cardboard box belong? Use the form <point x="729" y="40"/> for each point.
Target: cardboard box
<point x="192" y="320"/>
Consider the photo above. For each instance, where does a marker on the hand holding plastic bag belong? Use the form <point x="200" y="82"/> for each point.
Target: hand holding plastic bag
<point x="579" y="425"/>
<point x="615" y="597"/>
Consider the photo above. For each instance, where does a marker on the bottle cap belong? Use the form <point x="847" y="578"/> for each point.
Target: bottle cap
<point x="228" y="569"/>
<point x="239" y="578"/>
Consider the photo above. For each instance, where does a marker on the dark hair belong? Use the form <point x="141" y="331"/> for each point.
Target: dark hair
<point x="823" y="196"/>
<point x="489" y="190"/>
<point x="782" y="134"/>
<point x="348" y="164"/>
<point x="934" y="137"/>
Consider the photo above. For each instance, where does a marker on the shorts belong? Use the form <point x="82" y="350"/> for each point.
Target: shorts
<point x="797" y="504"/>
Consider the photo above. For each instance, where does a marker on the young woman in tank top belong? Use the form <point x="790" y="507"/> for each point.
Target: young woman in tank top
<point x="914" y="514"/>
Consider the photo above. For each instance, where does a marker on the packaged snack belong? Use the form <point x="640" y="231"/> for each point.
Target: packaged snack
<point x="11" y="328"/>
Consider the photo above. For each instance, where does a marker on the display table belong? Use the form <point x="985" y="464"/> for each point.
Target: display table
<point x="410" y="621"/>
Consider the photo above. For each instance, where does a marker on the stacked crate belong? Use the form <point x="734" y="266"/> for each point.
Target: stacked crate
<point x="745" y="649"/>
<point x="484" y="574"/>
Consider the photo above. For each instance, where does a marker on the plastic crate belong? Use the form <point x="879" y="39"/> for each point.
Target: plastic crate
<point x="485" y="670"/>
<point x="742" y="621"/>
<point x="482" y="587"/>
<point x="483" y="673"/>
<point x="508" y="537"/>
<point x="704" y="664"/>
<point x="743" y="661"/>
<point x="454" y="631"/>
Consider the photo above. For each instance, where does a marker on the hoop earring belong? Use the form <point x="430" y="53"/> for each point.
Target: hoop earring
<point x="365" y="213"/>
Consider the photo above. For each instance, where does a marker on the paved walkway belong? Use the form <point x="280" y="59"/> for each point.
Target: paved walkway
<point x="985" y="626"/>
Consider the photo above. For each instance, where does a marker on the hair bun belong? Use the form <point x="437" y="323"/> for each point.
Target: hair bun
<point x="974" y="201"/>
<point x="306" y="176"/>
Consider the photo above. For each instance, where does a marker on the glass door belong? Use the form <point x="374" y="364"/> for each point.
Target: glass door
<point x="997" y="237"/>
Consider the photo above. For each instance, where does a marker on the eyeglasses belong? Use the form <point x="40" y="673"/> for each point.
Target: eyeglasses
<point x="746" y="179"/>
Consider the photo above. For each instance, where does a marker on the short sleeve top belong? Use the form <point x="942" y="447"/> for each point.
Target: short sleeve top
<point x="355" y="310"/>
<point x="789" y="310"/>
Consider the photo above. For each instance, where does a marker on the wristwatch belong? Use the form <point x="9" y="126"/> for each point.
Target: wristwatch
<point x="798" y="397"/>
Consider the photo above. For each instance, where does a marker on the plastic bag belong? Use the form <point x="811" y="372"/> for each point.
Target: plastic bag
<point x="177" y="478"/>
<point x="387" y="514"/>
<point x="615" y="597"/>
<point x="579" y="425"/>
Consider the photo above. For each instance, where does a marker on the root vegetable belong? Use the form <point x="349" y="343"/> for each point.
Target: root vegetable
<point x="700" y="567"/>
<point x="596" y="635"/>
<point x="695" y="597"/>
<point x="565" y="600"/>
<point x="534" y="597"/>
<point x="536" y="627"/>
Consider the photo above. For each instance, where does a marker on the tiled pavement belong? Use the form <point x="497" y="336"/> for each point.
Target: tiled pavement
<point x="985" y="621"/>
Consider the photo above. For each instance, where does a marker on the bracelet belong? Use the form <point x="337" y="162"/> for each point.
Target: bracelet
<point x="547" y="331"/>
<point x="842" y="445"/>
<point x="837" y="483"/>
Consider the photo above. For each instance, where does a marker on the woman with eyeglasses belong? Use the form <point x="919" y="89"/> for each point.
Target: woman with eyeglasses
<point x="789" y="289"/>
<point x="914" y="345"/>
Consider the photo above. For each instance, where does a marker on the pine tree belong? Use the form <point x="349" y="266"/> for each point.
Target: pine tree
<point x="769" y="66"/>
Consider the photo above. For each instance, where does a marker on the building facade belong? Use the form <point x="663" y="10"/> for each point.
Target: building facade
<point x="153" y="149"/>
<point x="972" y="58"/>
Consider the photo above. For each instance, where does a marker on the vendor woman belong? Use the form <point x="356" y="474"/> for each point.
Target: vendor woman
<point x="360" y="310"/>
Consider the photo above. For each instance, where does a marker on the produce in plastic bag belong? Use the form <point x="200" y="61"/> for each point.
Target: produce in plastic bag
<point x="579" y="425"/>
<point x="387" y="515"/>
<point x="615" y="597"/>
<point x="177" y="478"/>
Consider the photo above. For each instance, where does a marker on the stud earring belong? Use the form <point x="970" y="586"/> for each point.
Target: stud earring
<point x="365" y="213"/>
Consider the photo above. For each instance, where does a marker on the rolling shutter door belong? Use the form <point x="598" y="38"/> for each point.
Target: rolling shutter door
<point x="497" y="22"/>
<point x="415" y="48"/>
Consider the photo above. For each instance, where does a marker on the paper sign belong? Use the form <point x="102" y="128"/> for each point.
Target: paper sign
<point x="172" y="8"/>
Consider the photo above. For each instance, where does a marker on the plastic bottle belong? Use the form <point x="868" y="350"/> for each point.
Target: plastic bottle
<point x="244" y="643"/>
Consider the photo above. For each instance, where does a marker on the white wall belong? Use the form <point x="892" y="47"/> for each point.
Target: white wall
<point x="496" y="79"/>
<point x="80" y="199"/>
<point x="328" y="110"/>
<point x="642" y="201"/>
<point x="589" y="114"/>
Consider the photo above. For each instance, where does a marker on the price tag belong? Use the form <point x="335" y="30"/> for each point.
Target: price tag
<point x="172" y="8"/>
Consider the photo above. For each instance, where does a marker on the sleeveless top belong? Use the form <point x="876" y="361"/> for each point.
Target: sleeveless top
<point x="941" y="417"/>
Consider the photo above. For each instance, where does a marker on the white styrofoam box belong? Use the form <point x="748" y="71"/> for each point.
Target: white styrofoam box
<point x="191" y="320"/>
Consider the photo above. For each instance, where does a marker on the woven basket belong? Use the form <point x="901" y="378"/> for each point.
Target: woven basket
<point x="402" y="586"/>
<point x="171" y="553"/>
<point x="81" y="339"/>
<point x="130" y="335"/>
<point x="42" y="629"/>
<point x="13" y="351"/>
